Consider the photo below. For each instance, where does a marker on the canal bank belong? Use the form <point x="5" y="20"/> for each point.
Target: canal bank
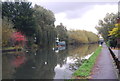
<point x="104" y="67"/>
<point x="84" y="71"/>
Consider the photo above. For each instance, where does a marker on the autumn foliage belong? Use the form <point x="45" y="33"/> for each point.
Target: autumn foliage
<point x="10" y="37"/>
<point x="82" y="36"/>
<point x="18" y="38"/>
<point x="7" y="31"/>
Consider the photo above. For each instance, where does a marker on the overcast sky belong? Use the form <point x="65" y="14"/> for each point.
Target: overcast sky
<point x="79" y="14"/>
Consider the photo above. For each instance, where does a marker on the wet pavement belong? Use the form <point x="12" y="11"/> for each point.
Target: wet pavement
<point x="104" y="67"/>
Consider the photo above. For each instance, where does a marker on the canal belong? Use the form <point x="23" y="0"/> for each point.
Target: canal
<point x="47" y="63"/>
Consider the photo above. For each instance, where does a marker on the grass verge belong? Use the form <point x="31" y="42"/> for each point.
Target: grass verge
<point x="85" y="69"/>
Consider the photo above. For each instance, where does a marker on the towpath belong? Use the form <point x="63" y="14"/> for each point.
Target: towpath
<point x="104" y="67"/>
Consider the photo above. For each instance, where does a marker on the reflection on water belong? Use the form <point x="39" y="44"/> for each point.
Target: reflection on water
<point x="45" y="63"/>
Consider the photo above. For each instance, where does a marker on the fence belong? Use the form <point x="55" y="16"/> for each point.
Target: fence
<point x="117" y="61"/>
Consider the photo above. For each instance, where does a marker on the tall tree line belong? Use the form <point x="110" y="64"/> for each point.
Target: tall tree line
<point x="109" y="28"/>
<point x="82" y="37"/>
<point x="37" y="23"/>
<point x="21" y="14"/>
<point x="106" y="25"/>
<point x="45" y="19"/>
<point x="62" y="33"/>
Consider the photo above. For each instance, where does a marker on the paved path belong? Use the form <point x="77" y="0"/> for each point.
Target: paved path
<point x="104" y="67"/>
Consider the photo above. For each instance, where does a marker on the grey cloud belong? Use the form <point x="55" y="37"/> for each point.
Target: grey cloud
<point x="78" y="12"/>
<point x="58" y="7"/>
<point x="72" y="9"/>
<point x="66" y="6"/>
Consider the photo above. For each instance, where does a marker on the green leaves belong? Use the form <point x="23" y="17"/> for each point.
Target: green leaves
<point x="62" y="32"/>
<point x="106" y="25"/>
<point x="45" y="29"/>
<point x="7" y="31"/>
<point x="21" y="14"/>
<point x="115" y="32"/>
<point x="82" y="36"/>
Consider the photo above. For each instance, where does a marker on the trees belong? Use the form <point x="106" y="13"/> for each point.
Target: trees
<point x="106" y="25"/>
<point x="78" y="36"/>
<point x="115" y="36"/>
<point x="7" y="31"/>
<point x="45" y="30"/>
<point x="115" y="32"/>
<point x="82" y="36"/>
<point x="92" y="38"/>
<point x="18" y="39"/>
<point x="36" y="23"/>
<point x="21" y="15"/>
<point x="110" y="30"/>
<point x="61" y="32"/>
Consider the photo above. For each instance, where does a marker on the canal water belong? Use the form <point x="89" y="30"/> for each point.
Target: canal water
<point x="47" y="63"/>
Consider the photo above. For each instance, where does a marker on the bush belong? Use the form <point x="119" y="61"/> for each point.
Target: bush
<point x="7" y="31"/>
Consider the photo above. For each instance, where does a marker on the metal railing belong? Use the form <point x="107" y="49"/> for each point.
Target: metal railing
<point x="117" y="62"/>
